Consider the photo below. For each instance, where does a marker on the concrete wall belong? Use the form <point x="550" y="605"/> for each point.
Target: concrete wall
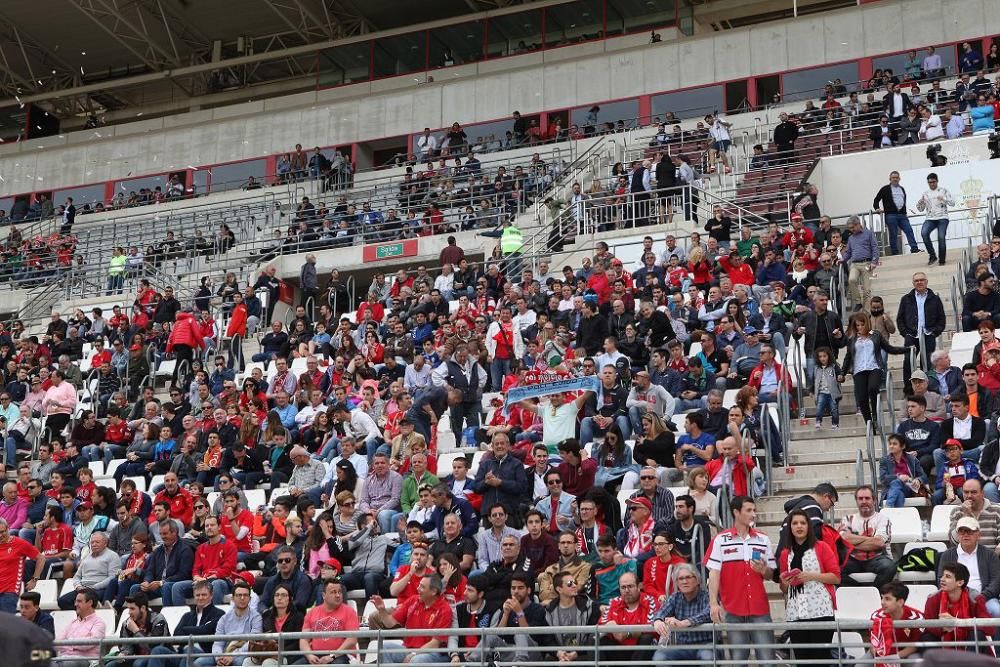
<point x="568" y="77"/>
<point x="848" y="183"/>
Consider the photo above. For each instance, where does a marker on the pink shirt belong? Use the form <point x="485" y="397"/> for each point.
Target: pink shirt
<point x="65" y="394"/>
<point x="91" y="627"/>
<point x="15" y="514"/>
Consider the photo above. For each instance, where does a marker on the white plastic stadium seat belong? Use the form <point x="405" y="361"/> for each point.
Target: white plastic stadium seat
<point x="852" y="643"/>
<point x="856" y="603"/>
<point x="97" y="467"/>
<point x="255" y="498"/>
<point x="940" y="523"/>
<point x="964" y="340"/>
<point x="476" y="458"/>
<point x="445" y="461"/>
<point x="729" y="398"/>
<point x="49" y="590"/>
<point x="173" y="615"/>
<point x="919" y="594"/>
<point x="905" y="524"/>
<point x="390" y="604"/>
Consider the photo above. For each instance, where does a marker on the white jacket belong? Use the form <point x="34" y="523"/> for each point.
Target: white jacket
<point x="935" y="203"/>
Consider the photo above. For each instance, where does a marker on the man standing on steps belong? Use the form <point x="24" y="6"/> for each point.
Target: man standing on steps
<point x="870" y="533"/>
<point x="891" y="202"/>
<point x="934" y="203"/>
<point x="815" y="505"/>
<point x="920" y="313"/>
<point x="862" y="256"/>
<point x="309" y="284"/>
<point x="739" y="561"/>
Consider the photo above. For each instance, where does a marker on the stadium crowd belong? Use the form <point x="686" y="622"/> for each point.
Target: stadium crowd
<point x="340" y="417"/>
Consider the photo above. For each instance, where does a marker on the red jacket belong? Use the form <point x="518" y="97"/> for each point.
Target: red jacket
<point x="185" y="332"/>
<point x="741" y="275"/>
<point x="757" y="376"/>
<point x="601" y="285"/>
<point x="215" y="561"/>
<point x="740" y="487"/>
<point x="237" y="322"/>
<point x="181" y="504"/>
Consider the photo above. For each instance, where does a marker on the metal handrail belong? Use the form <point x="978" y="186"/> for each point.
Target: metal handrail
<point x="882" y="427"/>
<point x="870" y="445"/>
<point x="601" y="652"/>
<point x="859" y="469"/>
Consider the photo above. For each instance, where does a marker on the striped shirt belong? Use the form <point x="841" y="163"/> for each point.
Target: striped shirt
<point x="989" y="524"/>
<point x="381" y="493"/>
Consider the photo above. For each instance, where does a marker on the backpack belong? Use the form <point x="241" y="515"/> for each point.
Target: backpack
<point x="918" y="560"/>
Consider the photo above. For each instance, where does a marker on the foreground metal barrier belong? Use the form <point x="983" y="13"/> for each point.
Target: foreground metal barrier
<point x="593" y="645"/>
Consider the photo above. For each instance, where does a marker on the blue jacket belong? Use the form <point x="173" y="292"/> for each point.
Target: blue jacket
<point x="302" y="591"/>
<point x="513" y="488"/>
<point x="982" y="117"/>
<point x="887" y="467"/>
<point x="768" y="274"/>
<point x="970" y="468"/>
<point x="460" y="506"/>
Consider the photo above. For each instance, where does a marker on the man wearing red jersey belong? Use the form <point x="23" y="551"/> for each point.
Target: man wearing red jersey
<point x="13" y="553"/>
<point x="894" y="608"/>
<point x="632" y="607"/>
<point x="407" y="580"/>
<point x="237" y="522"/>
<point x="739" y="561"/>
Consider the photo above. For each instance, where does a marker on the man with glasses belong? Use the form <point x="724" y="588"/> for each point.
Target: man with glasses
<point x="687" y="607"/>
<point x="632" y="607"/>
<point x="490" y="539"/>
<point x="920" y="315"/>
<point x="8" y="409"/>
<point x="558" y="509"/>
<point x="570" y="609"/>
<point x="242" y="619"/>
<point x="37" y="501"/>
<point x="289" y="574"/>
<point x="569" y="562"/>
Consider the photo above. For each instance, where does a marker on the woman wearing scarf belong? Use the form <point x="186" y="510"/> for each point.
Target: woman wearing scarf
<point x="808" y="574"/>
<point x="956" y="600"/>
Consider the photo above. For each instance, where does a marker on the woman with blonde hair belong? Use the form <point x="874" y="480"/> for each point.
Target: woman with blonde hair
<point x="705" y="502"/>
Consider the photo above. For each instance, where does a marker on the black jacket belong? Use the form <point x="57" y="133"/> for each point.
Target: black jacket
<point x="978" y="432"/>
<point x="190" y="627"/>
<point x="934" y="317"/>
<point x="591" y="334"/>
<point x="881" y="345"/>
<point x="875" y="134"/>
<point x="786" y="133"/>
<point x="883" y="199"/>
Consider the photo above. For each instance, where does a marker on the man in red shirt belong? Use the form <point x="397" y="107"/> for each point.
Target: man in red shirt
<point x="180" y="500"/>
<point x="331" y="616"/>
<point x="237" y="522"/>
<point x="632" y="607"/>
<point x="407" y="580"/>
<point x="13" y="553"/>
<point x="894" y="607"/>
<point x="214" y="562"/>
<point x="428" y="610"/>
<point x="739" y="561"/>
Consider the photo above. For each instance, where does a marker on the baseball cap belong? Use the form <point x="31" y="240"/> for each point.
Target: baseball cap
<point x="919" y="375"/>
<point x="85" y="505"/>
<point x="334" y="563"/>
<point x="748" y="330"/>
<point x="796" y="216"/>
<point x="641" y="501"/>
<point x="952" y="442"/>
<point x="967" y="522"/>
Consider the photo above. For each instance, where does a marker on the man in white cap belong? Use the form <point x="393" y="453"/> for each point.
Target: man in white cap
<point x="983" y="563"/>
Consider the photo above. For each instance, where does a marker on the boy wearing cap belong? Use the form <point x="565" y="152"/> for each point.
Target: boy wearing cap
<point x="952" y="474"/>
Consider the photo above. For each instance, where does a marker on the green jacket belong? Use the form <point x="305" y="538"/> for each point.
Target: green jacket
<point x="409" y="496"/>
